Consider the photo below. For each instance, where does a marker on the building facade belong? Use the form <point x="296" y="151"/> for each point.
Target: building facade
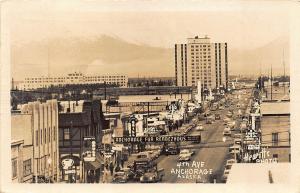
<point x="202" y="60"/>
<point x="78" y="121"/>
<point x="31" y="83"/>
<point x="275" y="129"/>
<point x="43" y="137"/>
<point x="17" y="161"/>
<point x="22" y="147"/>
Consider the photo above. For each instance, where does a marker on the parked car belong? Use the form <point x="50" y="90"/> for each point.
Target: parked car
<point x="185" y="155"/>
<point x="120" y="177"/>
<point x="217" y="116"/>
<point x="230" y="162"/>
<point x="238" y="141"/>
<point x="225" y="174"/>
<point x="152" y="175"/>
<point x="238" y="135"/>
<point x="235" y="149"/>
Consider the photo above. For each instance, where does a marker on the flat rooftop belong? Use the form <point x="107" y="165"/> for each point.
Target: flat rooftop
<point x="275" y="108"/>
<point x="260" y="173"/>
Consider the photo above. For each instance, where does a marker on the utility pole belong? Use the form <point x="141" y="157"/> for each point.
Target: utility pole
<point x="104" y="90"/>
<point x="283" y="71"/>
<point x="271" y="83"/>
<point x="260" y="85"/>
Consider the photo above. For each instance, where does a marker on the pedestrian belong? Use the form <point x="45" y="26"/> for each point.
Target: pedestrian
<point x="104" y="179"/>
<point x="111" y="167"/>
<point x="117" y="168"/>
<point x="122" y="162"/>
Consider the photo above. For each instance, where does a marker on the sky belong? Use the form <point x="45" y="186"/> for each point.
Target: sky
<point x="243" y="25"/>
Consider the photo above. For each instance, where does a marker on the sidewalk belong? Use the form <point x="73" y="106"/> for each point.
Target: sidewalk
<point x="105" y="177"/>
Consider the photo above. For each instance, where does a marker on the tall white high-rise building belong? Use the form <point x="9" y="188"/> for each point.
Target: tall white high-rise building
<point x="201" y="60"/>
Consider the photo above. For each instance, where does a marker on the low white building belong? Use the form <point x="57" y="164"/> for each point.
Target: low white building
<point x="31" y="83"/>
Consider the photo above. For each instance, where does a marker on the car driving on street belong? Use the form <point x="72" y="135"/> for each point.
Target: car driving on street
<point x="227" y="131"/>
<point x="185" y="155"/>
<point x="199" y="127"/>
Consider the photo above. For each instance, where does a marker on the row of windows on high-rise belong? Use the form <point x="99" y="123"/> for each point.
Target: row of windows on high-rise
<point x="204" y="50"/>
<point x="200" y="46"/>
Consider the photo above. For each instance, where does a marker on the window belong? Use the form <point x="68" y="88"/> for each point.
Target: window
<point x="45" y="134"/>
<point x="274" y="139"/>
<point x="54" y="133"/>
<point x="37" y="137"/>
<point x="14" y="163"/>
<point x="49" y="135"/>
<point x="41" y="136"/>
<point x="27" y="167"/>
<point x="66" y="134"/>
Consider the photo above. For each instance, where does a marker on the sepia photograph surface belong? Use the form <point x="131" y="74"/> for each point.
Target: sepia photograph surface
<point x="120" y="92"/>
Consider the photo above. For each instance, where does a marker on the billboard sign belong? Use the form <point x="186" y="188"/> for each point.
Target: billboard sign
<point x="163" y="138"/>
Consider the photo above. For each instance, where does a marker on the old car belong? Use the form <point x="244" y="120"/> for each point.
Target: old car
<point x="230" y="162"/>
<point x="227" y="131"/>
<point x="237" y="141"/>
<point x="226" y="173"/>
<point x="152" y="175"/>
<point x="147" y="154"/>
<point x="171" y="149"/>
<point x="235" y="149"/>
<point x="185" y="155"/>
<point x="226" y="120"/>
<point x="120" y="177"/>
<point x="229" y="114"/>
<point x="140" y="166"/>
<point x="199" y="127"/>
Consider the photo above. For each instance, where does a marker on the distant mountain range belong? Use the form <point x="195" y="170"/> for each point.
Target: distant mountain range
<point x="274" y="53"/>
<point x="106" y="54"/>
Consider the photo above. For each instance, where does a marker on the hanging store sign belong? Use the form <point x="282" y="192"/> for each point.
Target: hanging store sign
<point x="107" y="139"/>
<point x="89" y="149"/>
<point x="194" y="138"/>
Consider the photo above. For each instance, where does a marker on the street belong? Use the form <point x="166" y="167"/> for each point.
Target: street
<point x="213" y="158"/>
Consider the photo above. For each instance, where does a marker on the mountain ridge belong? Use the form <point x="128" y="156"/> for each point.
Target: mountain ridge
<point x="106" y="54"/>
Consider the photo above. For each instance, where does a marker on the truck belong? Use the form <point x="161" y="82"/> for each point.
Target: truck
<point x="141" y="166"/>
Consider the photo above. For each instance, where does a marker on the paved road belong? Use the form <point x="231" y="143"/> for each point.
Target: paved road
<point x="212" y="153"/>
<point x="209" y="153"/>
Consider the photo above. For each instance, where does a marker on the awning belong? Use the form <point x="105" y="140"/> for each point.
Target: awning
<point x="92" y="165"/>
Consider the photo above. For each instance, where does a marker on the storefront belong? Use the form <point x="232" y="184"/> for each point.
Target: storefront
<point x="71" y="170"/>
